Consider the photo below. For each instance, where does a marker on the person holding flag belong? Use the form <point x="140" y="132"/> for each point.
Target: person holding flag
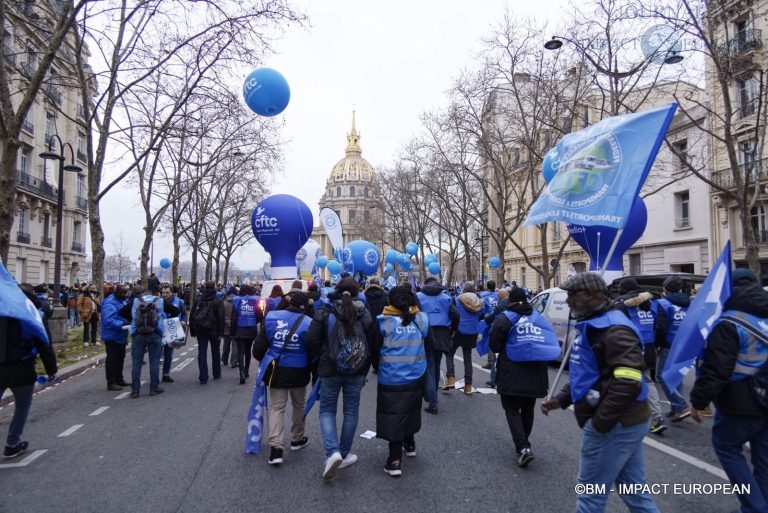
<point x="733" y="352"/>
<point x="22" y="339"/>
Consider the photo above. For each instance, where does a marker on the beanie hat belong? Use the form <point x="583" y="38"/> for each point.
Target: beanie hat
<point x="743" y="276"/>
<point x="298" y="300"/>
<point x="628" y="285"/>
<point x="517" y="295"/>
<point x="673" y="284"/>
<point x="585" y="281"/>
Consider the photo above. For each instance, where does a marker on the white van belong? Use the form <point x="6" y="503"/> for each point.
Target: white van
<point x="551" y="304"/>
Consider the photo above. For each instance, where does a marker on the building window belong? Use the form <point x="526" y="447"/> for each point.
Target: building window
<point x="681" y="149"/>
<point x="365" y="192"/>
<point x="23" y="220"/>
<point x="746" y="156"/>
<point x="82" y="154"/>
<point x="557" y="233"/>
<point x="757" y="219"/>
<point x="352" y="191"/>
<point x="352" y="214"/>
<point x="80" y="186"/>
<point x="746" y="87"/>
<point x="682" y="209"/>
<point x="635" y="264"/>
<point x="515" y="156"/>
<point x="24" y="156"/>
<point x="76" y="232"/>
<point x="338" y="192"/>
<point x="50" y="128"/>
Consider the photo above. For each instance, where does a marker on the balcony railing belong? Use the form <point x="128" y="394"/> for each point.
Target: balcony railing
<point x="22" y="238"/>
<point x="745" y="42"/>
<point x="28" y="127"/>
<point x="752" y="172"/>
<point x="35" y="185"/>
<point x="81" y="203"/>
<point x="46" y="242"/>
<point x="78" y="248"/>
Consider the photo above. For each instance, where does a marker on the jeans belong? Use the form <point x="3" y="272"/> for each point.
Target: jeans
<point x="613" y="457"/>
<point x="330" y="387"/>
<point x="466" y="353"/>
<point x="229" y="351"/>
<point x="493" y="368"/>
<point x="519" y="413"/>
<point x="203" y="339"/>
<point x="153" y="345"/>
<point x="433" y="377"/>
<point x="22" y="397"/>
<point x="729" y="433"/>
<point x="450" y="369"/>
<point x="74" y="317"/>
<point x="113" y="365"/>
<point x="167" y="360"/>
<point x="676" y="399"/>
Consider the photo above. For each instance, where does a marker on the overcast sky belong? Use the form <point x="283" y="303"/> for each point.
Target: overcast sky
<point x="391" y="61"/>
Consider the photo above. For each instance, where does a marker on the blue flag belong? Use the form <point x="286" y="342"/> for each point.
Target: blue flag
<point x="705" y="309"/>
<point x="257" y="410"/>
<point x="483" y="345"/>
<point x="312" y="397"/>
<point x="14" y="304"/>
<point x="599" y="170"/>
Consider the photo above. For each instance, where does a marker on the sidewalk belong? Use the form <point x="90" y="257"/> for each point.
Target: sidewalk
<point x="63" y="374"/>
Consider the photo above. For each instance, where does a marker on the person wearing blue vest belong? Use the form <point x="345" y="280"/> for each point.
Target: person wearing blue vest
<point x="670" y="312"/>
<point x="400" y="360"/>
<point x="470" y="308"/>
<point x="115" y="336"/>
<point x="525" y="342"/>
<point x="246" y="319"/>
<point x="638" y="308"/>
<point x="490" y="299"/>
<point x="608" y="395"/>
<point x="289" y="372"/>
<point x="443" y="320"/>
<point x="732" y="354"/>
<point x="168" y="295"/>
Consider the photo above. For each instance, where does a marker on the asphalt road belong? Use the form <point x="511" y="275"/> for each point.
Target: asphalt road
<point x="97" y="451"/>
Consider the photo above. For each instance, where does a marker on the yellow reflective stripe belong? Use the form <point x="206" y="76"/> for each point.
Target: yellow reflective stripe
<point x="627" y="373"/>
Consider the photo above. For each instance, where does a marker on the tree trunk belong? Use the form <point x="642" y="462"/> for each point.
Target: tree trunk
<point x="8" y="177"/>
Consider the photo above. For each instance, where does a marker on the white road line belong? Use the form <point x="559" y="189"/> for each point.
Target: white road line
<point x="26" y="461"/>
<point x="703" y="465"/>
<point x="99" y="411"/>
<point x="182" y="364"/>
<point x="70" y="430"/>
<point x="122" y="395"/>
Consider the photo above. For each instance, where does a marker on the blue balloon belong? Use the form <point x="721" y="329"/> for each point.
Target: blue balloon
<point x="550" y="165"/>
<point x="411" y="248"/>
<point x="389" y="268"/>
<point x="404" y="259"/>
<point x="266" y="92"/>
<point x="434" y="268"/>
<point x="428" y="259"/>
<point x="334" y="267"/>
<point x="391" y="257"/>
<point x="165" y="263"/>
<point x="597" y="240"/>
<point x="247" y="273"/>
<point x="282" y="224"/>
<point x="322" y="261"/>
<point x="363" y="256"/>
<point x="406" y="266"/>
<point x="494" y="262"/>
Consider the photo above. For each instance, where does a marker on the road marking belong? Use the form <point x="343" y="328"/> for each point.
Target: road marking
<point x="70" y="430"/>
<point x="183" y="364"/>
<point x="703" y="465"/>
<point x="99" y="411"/>
<point x="122" y="395"/>
<point x="26" y="461"/>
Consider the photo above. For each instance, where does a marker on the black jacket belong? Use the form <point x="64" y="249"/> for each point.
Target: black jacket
<point x="217" y="323"/>
<point x="524" y="379"/>
<point x="376" y="299"/>
<point x="713" y="381"/>
<point x="18" y="369"/>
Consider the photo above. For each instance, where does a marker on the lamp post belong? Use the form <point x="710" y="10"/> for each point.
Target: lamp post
<point x="482" y="240"/>
<point x="51" y="155"/>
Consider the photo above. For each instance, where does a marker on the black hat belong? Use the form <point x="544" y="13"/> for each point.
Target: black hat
<point x="585" y="281"/>
<point x="743" y="276"/>
<point x="299" y="300"/>
<point x="517" y="295"/>
<point x="627" y="285"/>
<point x="673" y="284"/>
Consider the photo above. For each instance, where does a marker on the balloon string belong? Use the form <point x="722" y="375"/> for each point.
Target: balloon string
<point x="598" y="252"/>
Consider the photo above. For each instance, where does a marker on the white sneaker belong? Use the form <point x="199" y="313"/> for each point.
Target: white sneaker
<point x="332" y="465"/>
<point x="351" y="459"/>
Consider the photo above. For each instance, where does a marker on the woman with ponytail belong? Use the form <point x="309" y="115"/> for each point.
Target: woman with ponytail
<point x="399" y="358"/>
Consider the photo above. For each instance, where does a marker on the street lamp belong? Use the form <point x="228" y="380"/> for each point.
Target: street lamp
<point x="51" y="155"/>
<point x="557" y="42"/>
<point x="152" y="252"/>
<point x="482" y="240"/>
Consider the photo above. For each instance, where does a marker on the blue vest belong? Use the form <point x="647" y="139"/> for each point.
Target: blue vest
<point x="531" y="338"/>
<point x="436" y="308"/>
<point x="246" y="306"/>
<point x="490" y="299"/>
<point x="292" y="353"/>
<point x="402" y="359"/>
<point x="675" y="317"/>
<point x="583" y="369"/>
<point x="753" y="353"/>
<point x="178" y="303"/>
<point x="643" y="321"/>
<point x="468" y="320"/>
<point x="271" y="303"/>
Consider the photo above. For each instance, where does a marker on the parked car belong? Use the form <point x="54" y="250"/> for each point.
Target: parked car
<point x="551" y="304"/>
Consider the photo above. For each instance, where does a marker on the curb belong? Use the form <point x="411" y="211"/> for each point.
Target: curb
<point x="63" y="374"/>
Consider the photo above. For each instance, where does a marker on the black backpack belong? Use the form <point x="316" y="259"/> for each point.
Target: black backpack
<point x="348" y="352"/>
<point x="146" y="317"/>
<point x="202" y="317"/>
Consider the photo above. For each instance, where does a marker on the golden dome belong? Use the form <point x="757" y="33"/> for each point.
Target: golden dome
<point x="353" y="167"/>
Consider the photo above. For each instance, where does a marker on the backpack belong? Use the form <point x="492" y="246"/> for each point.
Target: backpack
<point x="202" y="318"/>
<point x="349" y="353"/>
<point x="146" y="317"/>
<point x="758" y="382"/>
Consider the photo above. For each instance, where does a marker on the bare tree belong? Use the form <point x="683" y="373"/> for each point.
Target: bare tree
<point x="119" y="261"/>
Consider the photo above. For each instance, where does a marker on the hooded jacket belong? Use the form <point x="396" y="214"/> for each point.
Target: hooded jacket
<point x="376" y="298"/>
<point x="713" y="381"/>
<point x="471" y="309"/>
